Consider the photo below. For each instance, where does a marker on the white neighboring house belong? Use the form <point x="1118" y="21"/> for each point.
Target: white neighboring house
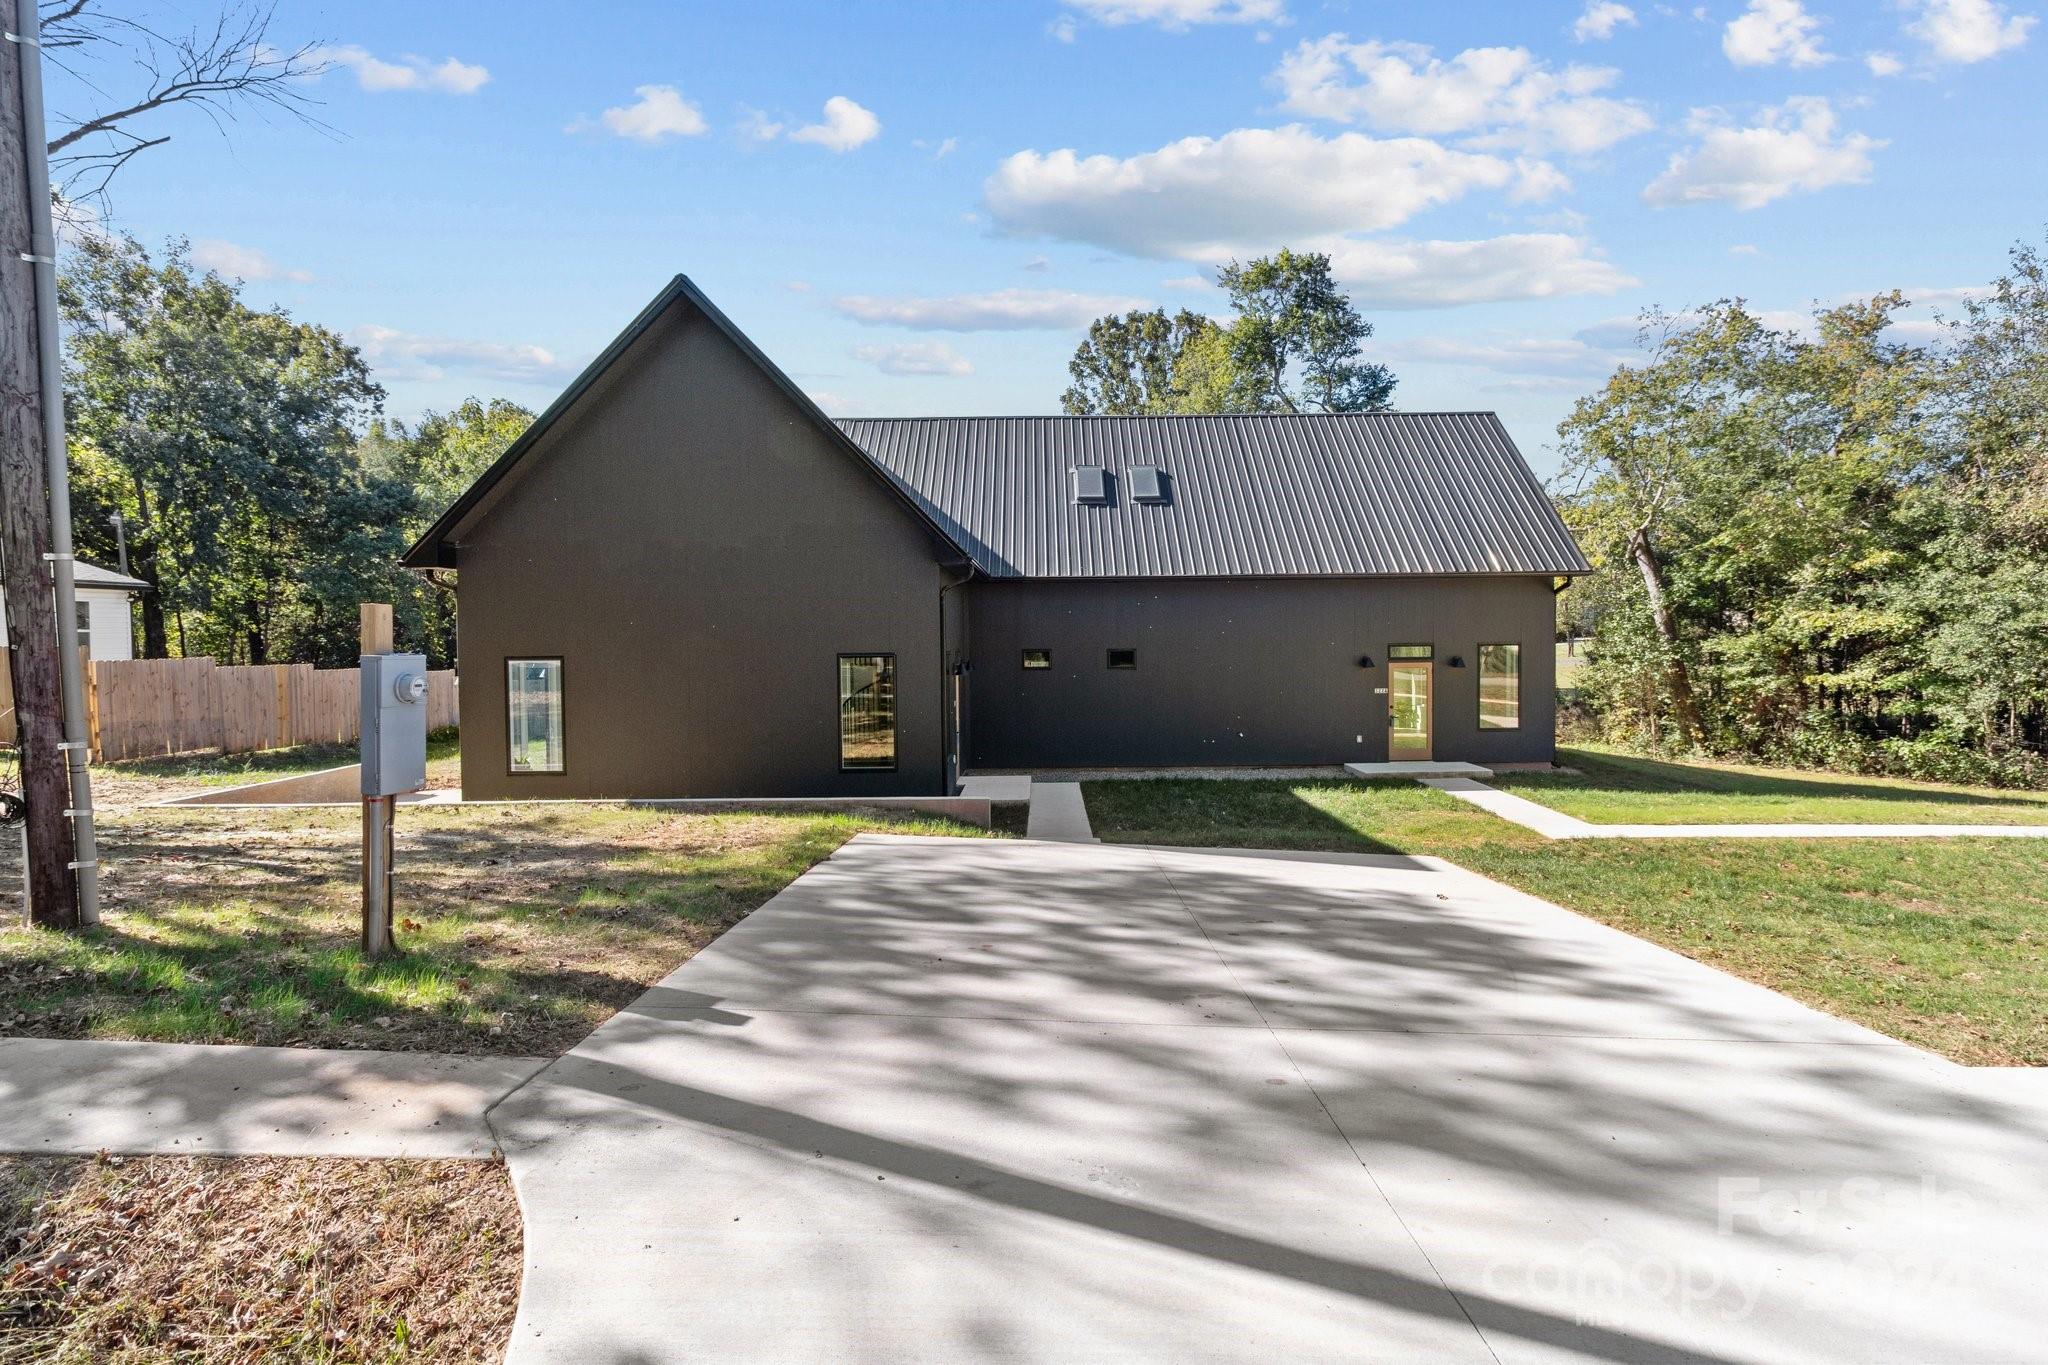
<point x="106" y="616"/>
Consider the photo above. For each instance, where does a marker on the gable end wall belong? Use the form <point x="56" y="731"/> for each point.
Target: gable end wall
<point x="698" y="553"/>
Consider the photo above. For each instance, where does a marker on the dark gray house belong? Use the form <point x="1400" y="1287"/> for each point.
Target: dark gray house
<point x="686" y="580"/>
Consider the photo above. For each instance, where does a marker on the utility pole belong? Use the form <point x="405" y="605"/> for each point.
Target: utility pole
<point x="26" y="561"/>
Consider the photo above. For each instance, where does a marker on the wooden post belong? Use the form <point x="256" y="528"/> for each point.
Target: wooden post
<point x="92" y="705"/>
<point x="378" y="813"/>
<point x="25" y="520"/>
<point x="284" y="705"/>
<point x="377" y="628"/>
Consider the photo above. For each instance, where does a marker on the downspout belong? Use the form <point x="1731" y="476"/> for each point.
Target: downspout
<point x="43" y="255"/>
<point x="949" y="762"/>
<point x="951" y="695"/>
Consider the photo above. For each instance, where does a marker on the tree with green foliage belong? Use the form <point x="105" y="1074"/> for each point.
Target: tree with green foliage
<point x="437" y="459"/>
<point x="1293" y="346"/>
<point x="1145" y="363"/>
<point x="1296" y="340"/>
<point x="1823" y="544"/>
<point x="226" y="437"/>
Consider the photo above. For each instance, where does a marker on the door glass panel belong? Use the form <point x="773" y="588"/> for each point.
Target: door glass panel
<point x="1408" y="719"/>
<point x="867" y="711"/>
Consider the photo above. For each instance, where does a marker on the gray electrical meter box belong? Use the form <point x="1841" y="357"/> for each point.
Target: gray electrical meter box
<point x="394" y="723"/>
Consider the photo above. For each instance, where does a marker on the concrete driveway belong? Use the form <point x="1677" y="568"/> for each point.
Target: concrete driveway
<point x="950" y="1100"/>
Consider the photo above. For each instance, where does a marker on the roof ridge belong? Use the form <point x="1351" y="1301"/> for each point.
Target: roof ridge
<point x="1178" y="416"/>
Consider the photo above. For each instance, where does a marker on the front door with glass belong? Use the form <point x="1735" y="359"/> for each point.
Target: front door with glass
<point x="1408" y="710"/>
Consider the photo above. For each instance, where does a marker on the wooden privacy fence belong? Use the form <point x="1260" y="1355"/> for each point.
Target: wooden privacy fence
<point x="146" y="708"/>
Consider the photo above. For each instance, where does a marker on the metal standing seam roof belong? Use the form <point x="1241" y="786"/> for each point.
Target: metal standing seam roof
<point x="1343" y="494"/>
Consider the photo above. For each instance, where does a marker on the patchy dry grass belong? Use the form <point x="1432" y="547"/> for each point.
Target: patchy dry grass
<point x="134" y="782"/>
<point x="520" y="929"/>
<point x="1939" y="942"/>
<point x="244" y="1259"/>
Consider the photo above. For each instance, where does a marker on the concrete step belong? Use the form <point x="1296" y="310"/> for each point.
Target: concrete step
<point x="1417" y="768"/>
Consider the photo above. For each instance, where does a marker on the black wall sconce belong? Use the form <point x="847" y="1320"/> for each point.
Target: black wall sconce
<point x="1456" y="661"/>
<point x="1365" y="661"/>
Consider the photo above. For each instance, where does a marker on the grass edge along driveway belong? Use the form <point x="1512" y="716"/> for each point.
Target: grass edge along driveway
<point x="520" y="928"/>
<point x="1609" y="788"/>
<point x="1942" y="943"/>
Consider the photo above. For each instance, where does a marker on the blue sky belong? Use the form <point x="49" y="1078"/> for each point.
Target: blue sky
<point x="914" y="208"/>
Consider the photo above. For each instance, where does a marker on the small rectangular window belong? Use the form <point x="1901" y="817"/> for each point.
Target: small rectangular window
<point x="1500" y="687"/>
<point x="867" y="712"/>
<point x="533" y="708"/>
<point x="1038" y="658"/>
<point x="85" y="626"/>
<point x="1124" y="658"/>
<point x="1411" y="651"/>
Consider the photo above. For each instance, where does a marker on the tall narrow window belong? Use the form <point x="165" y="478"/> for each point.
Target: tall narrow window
<point x="533" y="708"/>
<point x="1500" y="687"/>
<point x="85" y="626"/>
<point x="867" y="712"/>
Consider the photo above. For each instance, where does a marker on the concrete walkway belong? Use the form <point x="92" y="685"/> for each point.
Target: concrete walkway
<point x="959" y="1100"/>
<point x="1554" y="824"/>
<point x="1059" y="813"/>
<point x="66" y="1096"/>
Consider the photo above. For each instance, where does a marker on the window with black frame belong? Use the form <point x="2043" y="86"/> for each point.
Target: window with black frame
<point x="1500" y="687"/>
<point x="867" y="712"/>
<point x="533" y="715"/>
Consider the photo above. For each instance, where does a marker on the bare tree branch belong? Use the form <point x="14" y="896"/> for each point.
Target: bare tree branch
<point x="220" y="71"/>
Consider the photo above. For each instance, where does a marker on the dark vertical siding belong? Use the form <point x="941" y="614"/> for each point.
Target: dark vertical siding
<point x="1245" y="671"/>
<point x="698" y="553"/>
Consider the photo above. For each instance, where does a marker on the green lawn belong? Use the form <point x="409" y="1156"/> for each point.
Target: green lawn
<point x="1940" y="942"/>
<point x="1611" y="788"/>
<point x="520" y="928"/>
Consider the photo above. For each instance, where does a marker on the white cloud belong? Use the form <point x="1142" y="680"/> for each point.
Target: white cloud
<point x="1004" y="310"/>
<point x="1773" y="31"/>
<point x="1254" y="186"/>
<point x="1568" y="357"/>
<point x="1951" y="297"/>
<point x="1063" y="29"/>
<point x="1966" y="31"/>
<point x="1189" y="282"/>
<point x="242" y="262"/>
<point x="448" y="76"/>
<point x="914" y="357"/>
<point x="1882" y="64"/>
<point x="1179" y="14"/>
<point x="846" y="125"/>
<point x="1794" y="147"/>
<point x="1502" y="96"/>
<point x="1745" y="249"/>
<point x="1600" y="19"/>
<point x="940" y="150"/>
<point x="1442" y="274"/>
<point x="756" y="126"/>
<point x="658" y="114"/>
<point x="408" y="355"/>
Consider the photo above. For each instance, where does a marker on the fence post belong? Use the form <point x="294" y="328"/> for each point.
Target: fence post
<point x="92" y="708"/>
